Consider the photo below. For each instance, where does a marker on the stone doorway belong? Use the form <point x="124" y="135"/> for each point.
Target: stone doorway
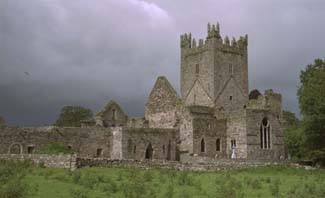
<point x="149" y="152"/>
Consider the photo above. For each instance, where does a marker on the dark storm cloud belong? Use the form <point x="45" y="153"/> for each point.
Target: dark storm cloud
<point x="56" y="53"/>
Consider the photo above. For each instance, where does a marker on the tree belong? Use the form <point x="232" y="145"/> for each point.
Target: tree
<point x="290" y="119"/>
<point x="311" y="96"/>
<point x="293" y="135"/>
<point x="70" y="116"/>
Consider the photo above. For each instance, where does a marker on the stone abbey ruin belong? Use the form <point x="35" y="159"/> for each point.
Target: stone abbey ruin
<point x="215" y="118"/>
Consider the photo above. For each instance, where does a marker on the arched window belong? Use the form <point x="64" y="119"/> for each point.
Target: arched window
<point x="218" y="144"/>
<point x="202" y="146"/>
<point x="265" y="134"/>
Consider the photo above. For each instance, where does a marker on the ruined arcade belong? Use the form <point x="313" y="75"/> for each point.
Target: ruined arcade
<point x="214" y="117"/>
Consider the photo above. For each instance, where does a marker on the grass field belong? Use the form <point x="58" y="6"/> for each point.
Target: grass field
<point x="117" y="182"/>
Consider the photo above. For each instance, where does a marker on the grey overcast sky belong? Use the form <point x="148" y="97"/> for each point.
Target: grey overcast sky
<point x="58" y="52"/>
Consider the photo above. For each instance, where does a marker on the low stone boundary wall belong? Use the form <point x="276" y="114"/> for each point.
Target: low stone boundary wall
<point x="174" y="165"/>
<point x="53" y="161"/>
<point x="73" y="161"/>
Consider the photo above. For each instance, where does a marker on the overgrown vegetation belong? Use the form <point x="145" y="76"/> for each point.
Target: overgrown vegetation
<point x="305" y="139"/>
<point x="55" y="148"/>
<point x="12" y="183"/>
<point x="20" y="180"/>
<point x="311" y="96"/>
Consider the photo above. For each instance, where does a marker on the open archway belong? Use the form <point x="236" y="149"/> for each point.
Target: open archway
<point x="149" y="152"/>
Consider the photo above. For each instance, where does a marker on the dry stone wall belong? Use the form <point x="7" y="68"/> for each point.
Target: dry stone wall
<point x="50" y="161"/>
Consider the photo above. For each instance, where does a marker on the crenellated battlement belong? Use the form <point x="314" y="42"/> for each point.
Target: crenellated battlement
<point x="190" y="45"/>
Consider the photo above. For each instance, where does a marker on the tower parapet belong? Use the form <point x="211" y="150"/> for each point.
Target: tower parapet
<point x="237" y="46"/>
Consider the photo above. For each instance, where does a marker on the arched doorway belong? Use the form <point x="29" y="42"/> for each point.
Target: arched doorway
<point x="15" y="149"/>
<point x="149" y="152"/>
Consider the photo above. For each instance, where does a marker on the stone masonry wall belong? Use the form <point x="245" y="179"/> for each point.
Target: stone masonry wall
<point x="236" y="131"/>
<point x="51" y="161"/>
<point x="162" y="108"/>
<point x="84" y="141"/>
<point x="202" y="164"/>
<point x="254" y="150"/>
<point x="163" y="142"/>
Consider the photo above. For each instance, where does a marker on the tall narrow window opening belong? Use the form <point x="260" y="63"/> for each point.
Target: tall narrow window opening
<point x="218" y="145"/>
<point x="113" y="114"/>
<point x="99" y="152"/>
<point x="231" y="69"/>
<point x="202" y="145"/>
<point x="233" y="143"/>
<point x="197" y="69"/>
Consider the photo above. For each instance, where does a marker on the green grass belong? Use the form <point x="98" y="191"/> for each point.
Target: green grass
<point x="120" y="182"/>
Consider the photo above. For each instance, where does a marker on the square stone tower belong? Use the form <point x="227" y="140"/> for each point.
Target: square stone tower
<point x="214" y="72"/>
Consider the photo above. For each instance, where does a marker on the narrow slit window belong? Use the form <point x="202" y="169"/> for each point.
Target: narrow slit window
<point x="233" y="143"/>
<point x="113" y="114"/>
<point x="202" y="146"/>
<point x="197" y="69"/>
<point x="218" y="144"/>
<point x="231" y="69"/>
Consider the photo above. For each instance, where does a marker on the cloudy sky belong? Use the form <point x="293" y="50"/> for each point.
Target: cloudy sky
<point x="57" y="52"/>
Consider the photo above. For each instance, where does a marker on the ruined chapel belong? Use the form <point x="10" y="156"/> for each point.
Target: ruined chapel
<point x="214" y="117"/>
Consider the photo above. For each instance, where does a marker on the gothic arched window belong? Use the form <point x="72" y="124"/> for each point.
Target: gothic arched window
<point x="265" y="134"/>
